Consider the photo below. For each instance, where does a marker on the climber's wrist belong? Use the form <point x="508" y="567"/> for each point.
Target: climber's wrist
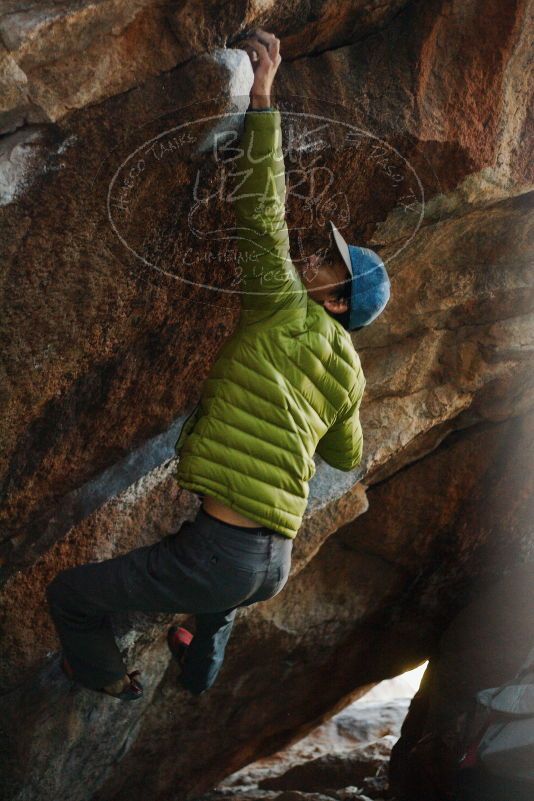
<point x="258" y="101"/>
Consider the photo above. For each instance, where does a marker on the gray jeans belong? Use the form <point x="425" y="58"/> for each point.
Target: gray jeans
<point x="208" y="568"/>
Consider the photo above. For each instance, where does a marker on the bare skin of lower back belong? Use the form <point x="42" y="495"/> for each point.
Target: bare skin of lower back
<point x="214" y="507"/>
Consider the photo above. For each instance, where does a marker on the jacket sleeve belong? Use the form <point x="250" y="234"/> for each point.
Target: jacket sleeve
<point x="342" y="445"/>
<point x="269" y="280"/>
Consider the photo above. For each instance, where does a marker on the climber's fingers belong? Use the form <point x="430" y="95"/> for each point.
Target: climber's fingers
<point x="262" y="54"/>
<point x="246" y="45"/>
<point x="271" y="42"/>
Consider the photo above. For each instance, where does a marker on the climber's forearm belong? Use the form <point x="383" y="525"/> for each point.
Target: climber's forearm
<point x="259" y="195"/>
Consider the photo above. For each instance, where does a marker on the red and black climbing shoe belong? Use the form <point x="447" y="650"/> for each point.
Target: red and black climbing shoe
<point x="131" y="692"/>
<point x="178" y="640"/>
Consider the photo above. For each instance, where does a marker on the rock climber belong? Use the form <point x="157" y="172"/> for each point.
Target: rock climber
<point x="286" y="384"/>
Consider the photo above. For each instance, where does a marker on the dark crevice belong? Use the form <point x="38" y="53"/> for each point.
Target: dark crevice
<point x="447" y="442"/>
<point x="353" y="41"/>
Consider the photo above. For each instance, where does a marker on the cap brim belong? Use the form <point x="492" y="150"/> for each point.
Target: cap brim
<point x="342" y="247"/>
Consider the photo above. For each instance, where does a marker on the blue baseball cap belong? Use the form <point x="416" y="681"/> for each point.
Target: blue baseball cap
<point x="370" y="286"/>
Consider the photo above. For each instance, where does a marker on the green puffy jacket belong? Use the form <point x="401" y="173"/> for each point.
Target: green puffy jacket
<point x="288" y="382"/>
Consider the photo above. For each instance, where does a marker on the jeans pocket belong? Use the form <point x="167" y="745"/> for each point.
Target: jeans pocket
<point x="191" y="547"/>
<point x="231" y="582"/>
<point x="233" y="557"/>
<point x="223" y="563"/>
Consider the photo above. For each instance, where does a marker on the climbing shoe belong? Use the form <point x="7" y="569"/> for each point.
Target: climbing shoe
<point x="178" y="640"/>
<point x="132" y="692"/>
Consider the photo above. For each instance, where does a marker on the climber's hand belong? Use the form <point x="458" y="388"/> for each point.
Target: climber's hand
<point x="264" y="52"/>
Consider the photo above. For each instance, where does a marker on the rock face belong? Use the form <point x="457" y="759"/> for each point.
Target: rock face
<point x="406" y="123"/>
